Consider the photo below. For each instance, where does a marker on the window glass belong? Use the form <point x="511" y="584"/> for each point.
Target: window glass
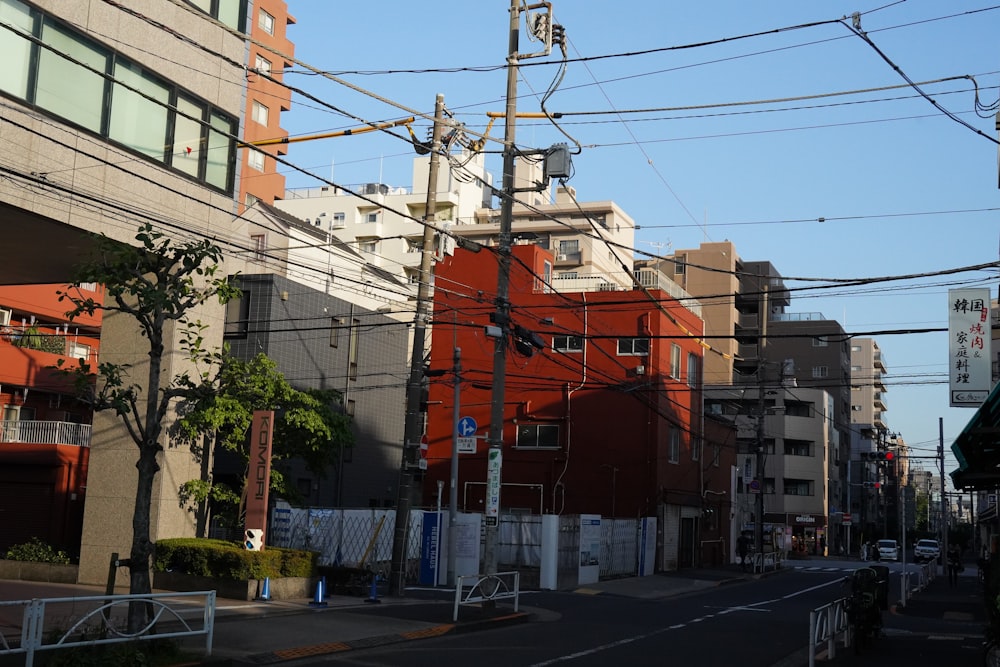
<point x="220" y="150"/>
<point x="263" y="65"/>
<point x="256" y="160"/>
<point x="65" y="88"/>
<point x="266" y="22"/>
<point x="16" y="49"/>
<point x="187" y="137"/>
<point x="260" y="113"/>
<point x="231" y="13"/>
<point x="138" y="122"/>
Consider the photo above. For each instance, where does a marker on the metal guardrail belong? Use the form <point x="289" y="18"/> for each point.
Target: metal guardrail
<point x="763" y="562"/>
<point x="827" y="624"/>
<point x="502" y="585"/>
<point x="102" y="621"/>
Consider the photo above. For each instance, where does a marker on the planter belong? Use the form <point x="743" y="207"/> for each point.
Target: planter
<point x="282" y="588"/>
<point x="30" y="571"/>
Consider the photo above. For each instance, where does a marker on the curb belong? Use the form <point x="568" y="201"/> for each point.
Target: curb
<point x="298" y="653"/>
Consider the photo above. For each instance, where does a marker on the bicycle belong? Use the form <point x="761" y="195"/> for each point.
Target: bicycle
<point x="862" y="607"/>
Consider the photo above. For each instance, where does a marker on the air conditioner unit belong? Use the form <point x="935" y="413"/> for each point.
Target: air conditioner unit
<point x="4" y="317"/>
<point x="640" y="370"/>
<point x="560" y="258"/>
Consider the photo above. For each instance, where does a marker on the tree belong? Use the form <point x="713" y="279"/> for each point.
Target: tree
<point x="156" y="283"/>
<point x="307" y="427"/>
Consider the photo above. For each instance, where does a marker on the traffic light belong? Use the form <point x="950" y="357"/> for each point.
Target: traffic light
<point x="877" y="456"/>
<point x="872" y="485"/>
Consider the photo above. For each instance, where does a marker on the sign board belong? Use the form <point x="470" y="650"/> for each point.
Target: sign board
<point x="494" y="462"/>
<point x="969" y="361"/>
<point x="466" y="445"/>
<point x="258" y="479"/>
<point x="590" y="548"/>
<point x="754" y="486"/>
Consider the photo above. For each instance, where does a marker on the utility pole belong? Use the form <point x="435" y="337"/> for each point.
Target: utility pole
<point x="944" y="523"/>
<point x="501" y="317"/>
<point x="758" y="524"/>
<point x="453" y="489"/>
<point x="413" y="425"/>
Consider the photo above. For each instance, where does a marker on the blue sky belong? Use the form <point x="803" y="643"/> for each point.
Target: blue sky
<point x="848" y="185"/>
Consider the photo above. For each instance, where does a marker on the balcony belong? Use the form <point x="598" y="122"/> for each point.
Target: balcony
<point x="880" y="400"/>
<point x="45" y="433"/>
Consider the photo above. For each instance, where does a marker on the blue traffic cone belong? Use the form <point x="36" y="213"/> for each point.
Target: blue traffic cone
<point x="318" y="600"/>
<point x="264" y="590"/>
<point x="373" y="594"/>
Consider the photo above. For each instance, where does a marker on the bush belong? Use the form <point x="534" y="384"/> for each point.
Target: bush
<point x="229" y="560"/>
<point x="37" y="551"/>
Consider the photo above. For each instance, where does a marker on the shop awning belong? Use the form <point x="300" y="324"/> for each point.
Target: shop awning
<point x="977" y="447"/>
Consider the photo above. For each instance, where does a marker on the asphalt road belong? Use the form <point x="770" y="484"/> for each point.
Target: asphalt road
<point x="752" y="624"/>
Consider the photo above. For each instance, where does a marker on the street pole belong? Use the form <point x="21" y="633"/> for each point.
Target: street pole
<point x="502" y="314"/>
<point x="453" y="489"/>
<point x="759" y="466"/>
<point x="413" y="425"/>
<point x="943" y="523"/>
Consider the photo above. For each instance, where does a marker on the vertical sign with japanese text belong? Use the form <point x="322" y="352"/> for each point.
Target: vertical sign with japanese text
<point x="970" y="367"/>
<point x="494" y="462"/>
<point x="258" y="478"/>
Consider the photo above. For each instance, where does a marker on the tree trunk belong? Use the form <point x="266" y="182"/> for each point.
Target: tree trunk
<point x="142" y="547"/>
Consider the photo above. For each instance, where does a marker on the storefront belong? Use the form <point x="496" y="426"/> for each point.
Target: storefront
<point x="805" y="534"/>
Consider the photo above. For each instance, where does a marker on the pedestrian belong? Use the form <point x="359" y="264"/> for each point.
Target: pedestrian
<point x="741" y="548"/>
<point x="864" y="551"/>
<point x="954" y="564"/>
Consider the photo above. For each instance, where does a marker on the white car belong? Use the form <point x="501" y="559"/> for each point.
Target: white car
<point x="888" y="549"/>
<point x="926" y="551"/>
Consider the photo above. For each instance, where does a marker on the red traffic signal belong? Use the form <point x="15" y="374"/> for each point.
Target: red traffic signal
<point x="889" y="456"/>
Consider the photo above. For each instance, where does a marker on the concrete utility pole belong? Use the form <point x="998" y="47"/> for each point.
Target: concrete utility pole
<point x="944" y="523"/>
<point x="501" y="317"/>
<point x="413" y="425"/>
<point x="453" y="489"/>
<point x="758" y="524"/>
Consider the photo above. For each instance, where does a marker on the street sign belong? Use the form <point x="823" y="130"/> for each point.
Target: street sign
<point x="754" y="486"/>
<point x="466" y="445"/>
<point x="467" y="427"/>
<point x="493" y="466"/>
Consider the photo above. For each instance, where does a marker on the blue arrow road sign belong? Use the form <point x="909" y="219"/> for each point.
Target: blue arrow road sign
<point x="467" y="427"/>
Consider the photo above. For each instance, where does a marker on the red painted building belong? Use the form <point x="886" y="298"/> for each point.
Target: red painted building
<point x="604" y="417"/>
<point x="45" y="430"/>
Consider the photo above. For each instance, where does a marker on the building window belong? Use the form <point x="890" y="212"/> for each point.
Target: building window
<point x="140" y="117"/>
<point x="569" y="247"/>
<point x="368" y="245"/>
<point x="679" y="265"/>
<point x="674" y="455"/>
<point x="856" y="408"/>
<point x="352" y="350"/>
<point x="414" y="246"/>
<point x="798" y="487"/>
<point x="263" y="64"/>
<point x="265" y="22"/>
<point x="820" y="371"/>
<point x="798" y="448"/>
<point x="256" y="160"/>
<point x="250" y="200"/>
<point x="567" y="344"/>
<point x="335" y="324"/>
<point x="371" y="217"/>
<point x="538" y="436"/>
<point x="633" y="346"/>
<point x="339" y="218"/>
<point x="260" y="113"/>
<point x="229" y="12"/>
<point x="694" y="377"/>
<point x="258" y="244"/>
<point x="820" y="341"/>
<point x="675" y="361"/>
<point x="716" y="454"/>
<point x="695" y="449"/>
<point x="237" y="316"/>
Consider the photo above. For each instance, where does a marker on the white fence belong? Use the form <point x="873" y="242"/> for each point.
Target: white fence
<point x="827" y="625"/>
<point x="478" y="588"/>
<point x="49" y="624"/>
<point x="363" y="538"/>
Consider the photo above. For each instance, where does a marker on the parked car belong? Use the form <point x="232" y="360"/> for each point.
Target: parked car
<point x="888" y="550"/>
<point x="926" y="551"/>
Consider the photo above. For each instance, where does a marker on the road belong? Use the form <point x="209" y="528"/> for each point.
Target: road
<point x="755" y="623"/>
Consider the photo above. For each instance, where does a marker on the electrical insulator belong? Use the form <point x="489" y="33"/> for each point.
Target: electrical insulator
<point x="558" y="35"/>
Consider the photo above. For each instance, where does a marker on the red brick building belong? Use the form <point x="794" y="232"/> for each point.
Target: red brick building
<point x="604" y="418"/>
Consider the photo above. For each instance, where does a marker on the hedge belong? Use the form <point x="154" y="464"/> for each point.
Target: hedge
<point x="229" y="560"/>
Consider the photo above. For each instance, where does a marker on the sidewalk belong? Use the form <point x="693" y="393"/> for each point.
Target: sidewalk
<point x="939" y="623"/>
<point x="942" y="624"/>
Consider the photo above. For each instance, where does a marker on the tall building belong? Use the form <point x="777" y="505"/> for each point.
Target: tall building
<point x="266" y="99"/>
<point x="114" y="122"/>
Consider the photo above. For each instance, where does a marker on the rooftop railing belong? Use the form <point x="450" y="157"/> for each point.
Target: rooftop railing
<point x="45" y="433"/>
